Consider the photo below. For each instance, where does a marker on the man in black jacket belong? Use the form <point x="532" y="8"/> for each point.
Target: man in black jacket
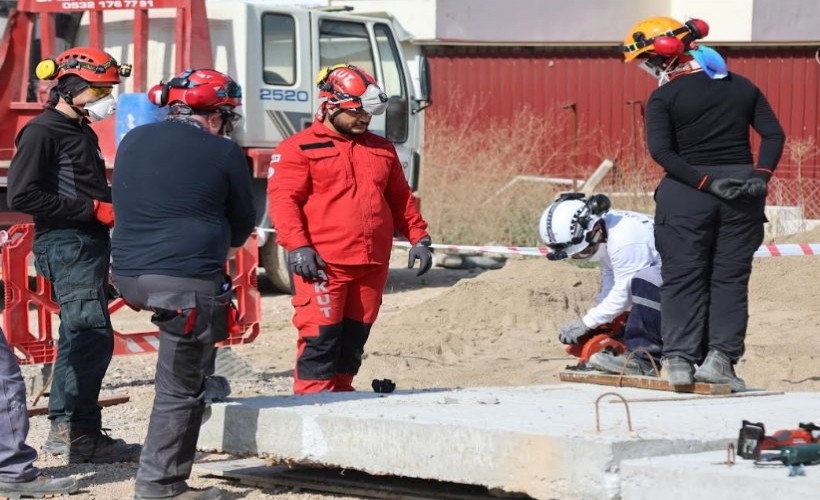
<point x="182" y="192"/>
<point x="709" y="216"/>
<point x="58" y="176"/>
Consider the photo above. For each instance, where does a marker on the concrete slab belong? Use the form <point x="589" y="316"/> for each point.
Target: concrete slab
<point x="538" y="440"/>
<point x="705" y="476"/>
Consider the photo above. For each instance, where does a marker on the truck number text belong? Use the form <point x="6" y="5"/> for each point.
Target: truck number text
<point x="283" y="95"/>
<point x="108" y="4"/>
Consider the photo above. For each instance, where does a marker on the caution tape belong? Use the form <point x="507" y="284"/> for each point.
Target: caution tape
<point x="781" y="250"/>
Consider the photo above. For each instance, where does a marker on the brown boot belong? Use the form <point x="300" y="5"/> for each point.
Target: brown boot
<point x="92" y="445"/>
<point x="58" y="438"/>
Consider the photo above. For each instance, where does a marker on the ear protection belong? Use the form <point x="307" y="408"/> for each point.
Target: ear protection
<point x="48" y="69"/>
<point x="668" y="44"/>
<point x="159" y="93"/>
<point x="595" y="207"/>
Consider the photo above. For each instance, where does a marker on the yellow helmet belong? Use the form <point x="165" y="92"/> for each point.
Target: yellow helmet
<point x="663" y="36"/>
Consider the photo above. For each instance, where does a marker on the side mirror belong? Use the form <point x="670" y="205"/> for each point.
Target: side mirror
<point x="425" y="86"/>
<point x="396" y="119"/>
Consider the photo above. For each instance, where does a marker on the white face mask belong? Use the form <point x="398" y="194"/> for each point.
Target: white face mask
<point x="102" y="109"/>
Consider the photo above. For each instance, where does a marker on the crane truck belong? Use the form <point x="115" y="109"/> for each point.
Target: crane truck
<point x="272" y="51"/>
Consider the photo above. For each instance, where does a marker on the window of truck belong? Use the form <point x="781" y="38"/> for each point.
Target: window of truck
<point x="345" y="42"/>
<point x="393" y="83"/>
<point x="279" y="49"/>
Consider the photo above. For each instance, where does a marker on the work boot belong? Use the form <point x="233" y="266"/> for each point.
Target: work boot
<point x="92" y="445"/>
<point x="678" y="371"/>
<point x="612" y="363"/>
<point x="39" y="487"/>
<point x="58" y="438"/>
<point x="717" y="368"/>
<point x="189" y="494"/>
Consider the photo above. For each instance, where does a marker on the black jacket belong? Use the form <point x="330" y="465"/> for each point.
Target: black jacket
<point x="182" y="196"/>
<point x="57" y="172"/>
<point x="696" y="121"/>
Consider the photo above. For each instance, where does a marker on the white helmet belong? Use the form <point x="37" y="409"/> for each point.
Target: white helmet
<point x="567" y="225"/>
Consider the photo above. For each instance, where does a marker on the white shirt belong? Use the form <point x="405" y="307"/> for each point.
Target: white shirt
<point x="630" y="247"/>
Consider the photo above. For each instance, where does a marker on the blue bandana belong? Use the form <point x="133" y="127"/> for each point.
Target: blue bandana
<point x="712" y="63"/>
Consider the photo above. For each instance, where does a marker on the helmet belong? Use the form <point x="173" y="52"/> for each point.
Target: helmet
<point x="345" y="86"/>
<point x="567" y="225"/>
<point x="198" y="89"/>
<point x="92" y="65"/>
<point x="662" y="36"/>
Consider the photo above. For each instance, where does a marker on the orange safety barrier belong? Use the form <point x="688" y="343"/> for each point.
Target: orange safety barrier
<point x="29" y="311"/>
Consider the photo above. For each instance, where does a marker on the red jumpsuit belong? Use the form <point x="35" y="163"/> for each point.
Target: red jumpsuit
<point x="345" y="197"/>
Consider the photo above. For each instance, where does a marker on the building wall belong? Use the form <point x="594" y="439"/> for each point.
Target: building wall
<point x="501" y="81"/>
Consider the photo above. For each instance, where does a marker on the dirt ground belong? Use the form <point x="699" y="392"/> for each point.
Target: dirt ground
<point x="459" y="328"/>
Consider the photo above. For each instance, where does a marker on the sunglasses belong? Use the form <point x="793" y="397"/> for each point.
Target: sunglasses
<point x="101" y="91"/>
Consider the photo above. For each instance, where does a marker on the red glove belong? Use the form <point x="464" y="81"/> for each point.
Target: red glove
<point x="104" y="212"/>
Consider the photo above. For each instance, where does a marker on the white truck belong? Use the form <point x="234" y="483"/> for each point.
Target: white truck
<point x="274" y="53"/>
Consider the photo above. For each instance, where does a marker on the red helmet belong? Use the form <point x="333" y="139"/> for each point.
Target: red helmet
<point x="348" y="87"/>
<point x="199" y="89"/>
<point x="92" y="65"/>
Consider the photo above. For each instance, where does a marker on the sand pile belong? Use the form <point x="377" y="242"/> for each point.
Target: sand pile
<point x="500" y="327"/>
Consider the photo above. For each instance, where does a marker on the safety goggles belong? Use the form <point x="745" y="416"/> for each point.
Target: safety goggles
<point x="101" y="92"/>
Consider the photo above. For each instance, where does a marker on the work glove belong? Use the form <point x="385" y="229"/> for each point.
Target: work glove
<point x="572" y="332"/>
<point x="104" y="212"/>
<point x="305" y="262"/>
<point x="421" y="251"/>
<point x="728" y="189"/>
<point x="755" y="187"/>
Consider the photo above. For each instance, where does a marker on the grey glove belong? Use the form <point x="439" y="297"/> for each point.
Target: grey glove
<point x="756" y="187"/>
<point x="305" y="262"/>
<point x="728" y="189"/>
<point x="421" y="251"/>
<point x="572" y="332"/>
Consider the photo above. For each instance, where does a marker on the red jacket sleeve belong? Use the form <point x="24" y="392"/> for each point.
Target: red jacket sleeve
<point x="405" y="209"/>
<point x="288" y="180"/>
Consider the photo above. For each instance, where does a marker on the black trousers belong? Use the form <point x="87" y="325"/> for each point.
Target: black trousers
<point x="707" y="245"/>
<point x="191" y="315"/>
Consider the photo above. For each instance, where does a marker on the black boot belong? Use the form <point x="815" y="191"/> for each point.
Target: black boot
<point x="39" y="487"/>
<point x="58" y="438"/>
<point x="190" y="494"/>
<point x="92" y="445"/>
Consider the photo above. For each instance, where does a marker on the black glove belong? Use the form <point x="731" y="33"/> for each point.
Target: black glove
<point x="305" y="262"/>
<point x="728" y="189"/>
<point x="756" y="187"/>
<point x="421" y="251"/>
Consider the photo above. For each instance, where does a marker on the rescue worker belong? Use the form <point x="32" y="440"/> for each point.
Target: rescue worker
<point x="182" y="193"/>
<point x="337" y="195"/>
<point x="18" y="475"/>
<point x="58" y="176"/>
<point x="622" y="242"/>
<point x="709" y="216"/>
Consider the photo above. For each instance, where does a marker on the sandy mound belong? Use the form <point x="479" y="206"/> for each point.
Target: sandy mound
<point x="500" y="327"/>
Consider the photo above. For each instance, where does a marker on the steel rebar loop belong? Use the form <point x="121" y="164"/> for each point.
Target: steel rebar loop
<point x="629" y="357"/>
<point x="730" y="455"/>
<point x="598" y="414"/>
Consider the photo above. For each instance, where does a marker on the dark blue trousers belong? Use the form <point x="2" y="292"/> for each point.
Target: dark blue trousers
<point x="76" y="262"/>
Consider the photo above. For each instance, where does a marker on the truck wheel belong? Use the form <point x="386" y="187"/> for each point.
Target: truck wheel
<point x="274" y="259"/>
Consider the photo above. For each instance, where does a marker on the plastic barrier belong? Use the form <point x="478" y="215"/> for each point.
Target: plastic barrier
<point x="30" y="310"/>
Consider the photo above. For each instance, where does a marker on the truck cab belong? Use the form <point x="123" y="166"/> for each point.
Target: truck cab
<point x="274" y="53"/>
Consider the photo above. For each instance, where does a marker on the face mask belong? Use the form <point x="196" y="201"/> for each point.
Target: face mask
<point x="102" y="109"/>
<point x="374" y="101"/>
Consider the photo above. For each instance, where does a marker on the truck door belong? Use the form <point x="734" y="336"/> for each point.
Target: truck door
<point x="371" y="45"/>
<point x="279" y="84"/>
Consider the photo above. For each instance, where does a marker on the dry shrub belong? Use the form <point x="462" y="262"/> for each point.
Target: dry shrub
<point x="470" y="190"/>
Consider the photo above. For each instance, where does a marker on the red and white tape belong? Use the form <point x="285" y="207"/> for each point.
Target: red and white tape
<point x="782" y="250"/>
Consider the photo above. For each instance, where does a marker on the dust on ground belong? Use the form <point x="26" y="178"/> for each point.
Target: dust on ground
<point x="459" y="328"/>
